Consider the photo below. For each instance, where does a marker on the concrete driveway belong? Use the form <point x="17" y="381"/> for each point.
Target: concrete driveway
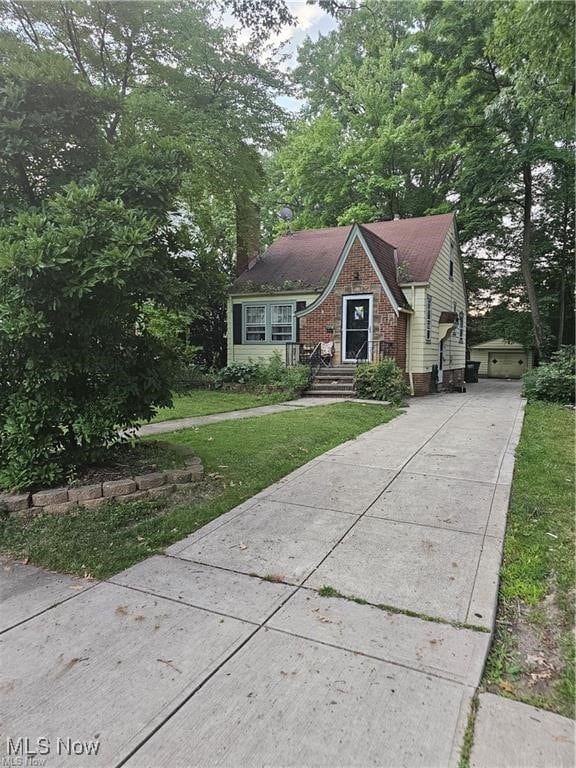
<point x="223" y="651"/>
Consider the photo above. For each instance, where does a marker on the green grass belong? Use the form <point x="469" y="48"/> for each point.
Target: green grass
<point x="537" y="578"/>
<point x="240" y="458"/>
<point x="202" y="402"/>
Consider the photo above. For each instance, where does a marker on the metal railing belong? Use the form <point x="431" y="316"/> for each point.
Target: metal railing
<point x="374" y="351"/>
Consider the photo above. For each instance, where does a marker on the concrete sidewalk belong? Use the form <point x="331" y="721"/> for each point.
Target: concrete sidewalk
<point x="174" y="425"/>
<point x="223" y="651"/>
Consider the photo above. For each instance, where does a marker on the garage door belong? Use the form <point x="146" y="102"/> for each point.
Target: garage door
<point x="507" y="365"/>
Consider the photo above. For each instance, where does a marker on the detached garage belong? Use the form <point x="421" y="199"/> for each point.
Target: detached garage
<point x="500" y="359"/>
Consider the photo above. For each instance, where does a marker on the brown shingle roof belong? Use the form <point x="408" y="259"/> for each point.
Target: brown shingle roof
<point x="385" y="258"/>
<point x="306" y="259"/>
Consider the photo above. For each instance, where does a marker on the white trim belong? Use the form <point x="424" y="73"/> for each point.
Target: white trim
<point x="355" y="233"/>
<point x="352" y="297"/>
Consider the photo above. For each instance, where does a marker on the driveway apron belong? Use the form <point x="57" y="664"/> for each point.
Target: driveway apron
<point x="341" y="617"/>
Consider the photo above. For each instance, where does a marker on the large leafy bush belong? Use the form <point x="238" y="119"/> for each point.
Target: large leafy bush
<point x="77" y="361"/>
<point x="553" y="381"/>
<point x="381" y="381"/>
<point x="266" y="375"/>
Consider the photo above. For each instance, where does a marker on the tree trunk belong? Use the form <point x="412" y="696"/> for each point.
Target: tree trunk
<point x="525" y="254"/>
<point x="563" y="265"/>
<point x="562" y="311"/>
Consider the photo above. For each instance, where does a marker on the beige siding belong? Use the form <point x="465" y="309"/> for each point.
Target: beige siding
<point x="415" y="338"/>
<point x="245" y="352"/>
<point x="445" y="294"/>
<point x="480" y="356"/>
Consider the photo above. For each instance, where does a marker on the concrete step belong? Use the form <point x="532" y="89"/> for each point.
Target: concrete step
<point x="332" y="387"/>
<point x="334" y="377"/>
<point x="329" y="393"/>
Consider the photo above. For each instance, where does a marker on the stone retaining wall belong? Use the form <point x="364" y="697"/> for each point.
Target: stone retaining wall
<point x="58" y="501"/>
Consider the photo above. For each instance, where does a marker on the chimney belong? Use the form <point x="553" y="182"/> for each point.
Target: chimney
<point x="247" y="233"/>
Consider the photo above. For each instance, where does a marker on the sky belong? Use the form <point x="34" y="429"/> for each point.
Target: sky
<point x="311" y="21"/>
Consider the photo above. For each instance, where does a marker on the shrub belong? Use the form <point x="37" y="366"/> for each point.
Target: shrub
<point x="269" y="376"/>
<point x="77" y="361"/>
<point x="553" y="381"/>
<point x="239" y="373"/>
<point x="381" y="381"/>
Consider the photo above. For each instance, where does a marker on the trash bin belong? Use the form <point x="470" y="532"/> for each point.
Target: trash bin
<point x="471" y="373"/>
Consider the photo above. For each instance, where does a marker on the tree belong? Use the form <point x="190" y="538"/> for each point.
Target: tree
<point x="76" y="363"/>
<point x="447" y="105"/>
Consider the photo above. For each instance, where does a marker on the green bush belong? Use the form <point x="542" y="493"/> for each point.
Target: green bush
<point x="381" y="381"/>
<point x="77" y="360"/>
<point x="239" y="373"/>
<point x="553" y="381"/>
<point x="268" y="376"/>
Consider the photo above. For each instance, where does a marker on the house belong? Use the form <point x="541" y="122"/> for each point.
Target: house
<point x="500" y="359"/>
<point x="389" y="288"/>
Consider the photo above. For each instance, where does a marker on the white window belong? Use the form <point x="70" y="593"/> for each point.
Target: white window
<point x="428" y="318"/>
<point x="268" y="323"/>
<point x="255" y="322"/>
<point x="281" y="322"/>
<point x="461" y="327"/>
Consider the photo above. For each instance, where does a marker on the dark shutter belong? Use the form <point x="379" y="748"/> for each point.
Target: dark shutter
<point x="237" y="323"/>
<point x="300" y="305"/>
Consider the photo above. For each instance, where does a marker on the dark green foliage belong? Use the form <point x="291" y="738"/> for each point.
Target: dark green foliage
<point x="381" y="381"/>
<point x="270" y="376"/>
<point x="553" y="382"/>
<point x="77" y="360"/>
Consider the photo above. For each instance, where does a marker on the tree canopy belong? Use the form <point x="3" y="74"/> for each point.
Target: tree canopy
<point x="416" y="108"/>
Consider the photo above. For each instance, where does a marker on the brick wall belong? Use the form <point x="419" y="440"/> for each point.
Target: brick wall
<point x="357" y="276"/>
<point x="422" y="383"/>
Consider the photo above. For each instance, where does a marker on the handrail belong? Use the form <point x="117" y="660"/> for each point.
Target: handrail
<point x="357" y="358"/>
<point x="384" y="350"/>
<point x="315" y="360"/>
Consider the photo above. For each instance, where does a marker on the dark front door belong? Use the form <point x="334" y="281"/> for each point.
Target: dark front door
<point x="356" y="331"/>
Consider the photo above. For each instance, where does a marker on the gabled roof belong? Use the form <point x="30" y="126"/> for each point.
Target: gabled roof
<point x="499" y="344"/>
<point x="385" y="258"/>
<point x="307" y="258"/>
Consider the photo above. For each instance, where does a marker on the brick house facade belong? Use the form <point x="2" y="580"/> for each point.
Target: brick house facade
<point x="357" y="277"/>
<point x="404" y="279"/>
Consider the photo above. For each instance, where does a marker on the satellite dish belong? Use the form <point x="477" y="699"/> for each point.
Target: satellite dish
<point x="286" y="214"/>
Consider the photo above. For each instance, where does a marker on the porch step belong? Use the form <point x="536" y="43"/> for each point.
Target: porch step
<point x="334" y="376"/>
<point x="329" y="393"/>
<point x="332" y="386"/>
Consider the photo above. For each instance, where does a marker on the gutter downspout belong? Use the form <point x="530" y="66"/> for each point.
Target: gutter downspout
<point x="410" y="376"/>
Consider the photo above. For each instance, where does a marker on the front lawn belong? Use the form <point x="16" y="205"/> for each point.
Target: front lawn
<point x="202" y="402"/>
<point x="240" y="458"/>
<point x="532" y="657"/>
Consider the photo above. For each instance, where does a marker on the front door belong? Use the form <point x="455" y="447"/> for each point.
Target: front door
<point x="357" y="328"/>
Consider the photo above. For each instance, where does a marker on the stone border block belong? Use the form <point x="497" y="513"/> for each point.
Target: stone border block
<point x="54" y="496"/>
<point x="94" y="503"/>
<point x="136" y="496"/>
<point x="14" y="502"/>
<point x="119" y="487"/>
<point x="59" y="509"/>
<point x="178" y="476"/>
<point x="153" y="480"/>
<point x="157" y="493"/>
<point x="85" y="492"/>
